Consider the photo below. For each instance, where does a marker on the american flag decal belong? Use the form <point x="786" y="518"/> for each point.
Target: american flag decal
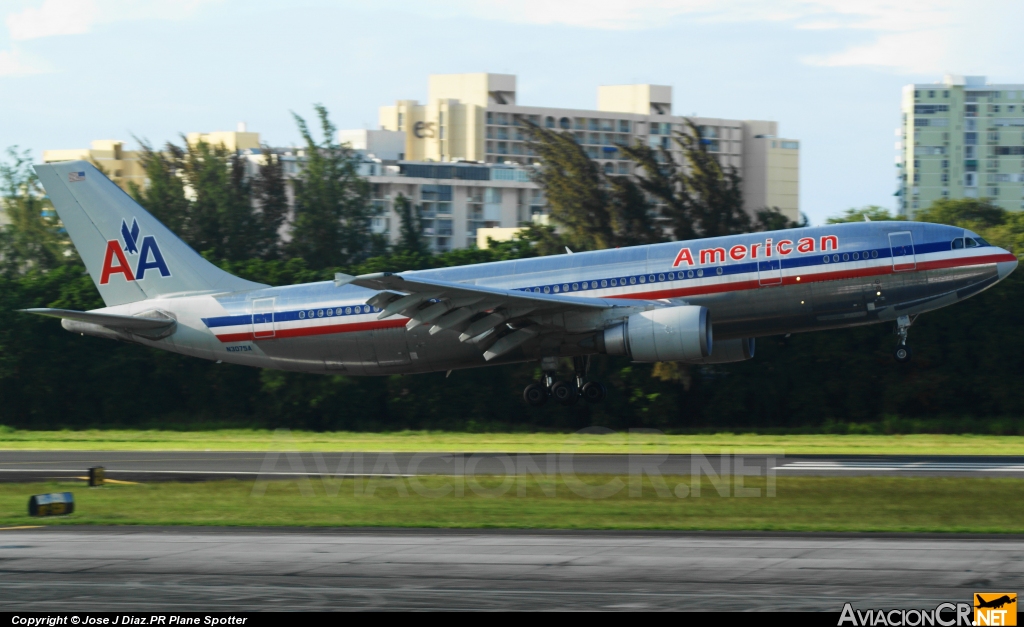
<point x="74" y="177"/>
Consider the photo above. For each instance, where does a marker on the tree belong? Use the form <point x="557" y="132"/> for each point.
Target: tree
<point x="33" y="238"/>
<point x="575" y="189"/>
<point x="970" y="213"/>
<point x="662" y="180"/>
<point x="772" y="219"/>
<point x="271" y="200"/>
<point x="699" y="197"/>
<point x="332" y="208"/>
<point x="164" y="196"/>
<point x="855" y="214"/>
<point x="410" y="237"/>
<point x="222" y="218"/>
<point x="632" y="214"/>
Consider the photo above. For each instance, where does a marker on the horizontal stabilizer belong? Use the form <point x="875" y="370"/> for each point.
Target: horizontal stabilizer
<point x="148" y="324"/>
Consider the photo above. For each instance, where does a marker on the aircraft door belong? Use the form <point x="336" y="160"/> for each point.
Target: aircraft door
<point x="769" y="272"/>
<point x="263" y="319"/>
<point x="902" y="245"/>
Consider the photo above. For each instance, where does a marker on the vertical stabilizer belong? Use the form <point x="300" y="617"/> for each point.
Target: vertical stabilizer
<point x="130" y="255"/>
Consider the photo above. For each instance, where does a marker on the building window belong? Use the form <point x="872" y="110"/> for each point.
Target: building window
<point x="931" y="93"/>
<point x="549" y="122"/>
<point x="564" y="124"/>
<point x="623" y="126"/>
<point x="593" y="124"/>
<point x="945" y="94"/>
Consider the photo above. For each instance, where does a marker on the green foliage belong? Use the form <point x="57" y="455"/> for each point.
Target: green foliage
<point x="33" y="239"/>
<point x="873" y="213"/>
<point x="772" y="219"/>
<point x="970" y="213"/>
<point x="332" y="202"/>
<point x="698" y="197"/>
<point x="202" y="194"/>
<point x="575" y="189"/>
<point x="410" y="236"/>
<point x="164" y="196"/>
<point x="889" y="504"/>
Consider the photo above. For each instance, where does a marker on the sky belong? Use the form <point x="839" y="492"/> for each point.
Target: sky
<point x="829" y="71"/>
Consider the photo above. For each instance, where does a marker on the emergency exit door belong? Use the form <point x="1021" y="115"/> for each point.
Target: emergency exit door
<point x="263" y="319"/>
<point x="902" y="245"/>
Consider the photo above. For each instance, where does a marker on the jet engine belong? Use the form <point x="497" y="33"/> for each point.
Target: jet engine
<point x="667" y="334"/>
<point x="728" y="351"/>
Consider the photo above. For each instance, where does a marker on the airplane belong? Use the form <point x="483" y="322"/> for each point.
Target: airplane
<point x="701" y="302"/>
<point x="994" y="603"/>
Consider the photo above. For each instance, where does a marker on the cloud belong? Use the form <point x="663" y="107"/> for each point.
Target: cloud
<point x="75" y="17"/>
<point x="53" y="17"/>
<point x="910" y="36"/>
<point x="16" y="63"/>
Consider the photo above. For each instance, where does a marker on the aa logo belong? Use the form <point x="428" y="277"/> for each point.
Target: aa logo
<point x="148" y="252"/>
<point x="995" y="608"/>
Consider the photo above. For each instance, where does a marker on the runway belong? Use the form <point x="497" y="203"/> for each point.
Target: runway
<point x="216" y="569"/>
<point x="203" y="466"/>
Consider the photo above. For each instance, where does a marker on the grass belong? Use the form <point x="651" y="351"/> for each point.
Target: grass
<point x="892" y="504"/>
<point x="428" y="441"/>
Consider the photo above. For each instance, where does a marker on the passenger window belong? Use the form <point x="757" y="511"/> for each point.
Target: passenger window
<point x="970" y="243"/>
<point x="958" y="243"/>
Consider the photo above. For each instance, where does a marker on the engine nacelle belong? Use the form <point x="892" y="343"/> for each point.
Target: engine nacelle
<point x="667" y="334"/>
<point x="729" y="351"/>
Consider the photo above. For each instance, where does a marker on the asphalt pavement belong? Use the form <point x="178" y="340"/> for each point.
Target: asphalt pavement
<point x="61" y="569"/>
<point x="200" y="466"/>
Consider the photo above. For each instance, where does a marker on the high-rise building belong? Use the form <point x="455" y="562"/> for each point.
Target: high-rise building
<point x="476" y="117"/>
<point x="961" y="138"/>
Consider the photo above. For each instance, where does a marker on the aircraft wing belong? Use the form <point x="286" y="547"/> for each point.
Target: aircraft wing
<point x="508" y="318"/>
<point x="150" y="323"/>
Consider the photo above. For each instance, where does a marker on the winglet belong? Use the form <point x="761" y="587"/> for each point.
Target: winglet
<point x="341" y="279"/>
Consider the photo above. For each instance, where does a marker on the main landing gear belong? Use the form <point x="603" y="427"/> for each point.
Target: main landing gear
<point x="903" y="354"/>
<point x="565" y="392"/>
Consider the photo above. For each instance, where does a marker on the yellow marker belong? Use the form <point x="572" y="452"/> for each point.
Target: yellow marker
<point x="23" y="527"/>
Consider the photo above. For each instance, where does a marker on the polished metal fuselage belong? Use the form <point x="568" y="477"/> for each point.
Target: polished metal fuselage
<point x="871" y="272"/>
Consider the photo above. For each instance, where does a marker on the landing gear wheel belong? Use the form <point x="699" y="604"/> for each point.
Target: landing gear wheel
<point x="565" y="393"/>
<point x="535" y="395"/>
<point x="594" y="392"/>
<point x="902" y="354"/>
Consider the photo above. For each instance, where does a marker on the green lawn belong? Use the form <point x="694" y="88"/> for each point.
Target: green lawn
<point x="425" y="441"/>
<point x="800" y="504"/>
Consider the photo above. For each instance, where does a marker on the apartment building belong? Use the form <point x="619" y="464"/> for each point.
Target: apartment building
<point x="961" y="138"/>
<point x="125" y="166"/>
<point x="476" y="117"/>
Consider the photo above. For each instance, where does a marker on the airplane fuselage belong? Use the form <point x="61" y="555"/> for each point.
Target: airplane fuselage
<point x="757" y="284"/>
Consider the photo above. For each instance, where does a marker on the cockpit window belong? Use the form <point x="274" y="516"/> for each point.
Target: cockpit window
<point x="958" y="243"/>
<point x="970" y="242"/>
<point x="981" y="242"/>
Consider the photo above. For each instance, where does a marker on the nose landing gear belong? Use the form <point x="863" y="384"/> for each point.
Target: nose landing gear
<point x="565" y="392"/>
<point x="903" y="354"/>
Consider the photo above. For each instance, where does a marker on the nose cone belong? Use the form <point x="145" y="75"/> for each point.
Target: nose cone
<point x="1006" y="267"/>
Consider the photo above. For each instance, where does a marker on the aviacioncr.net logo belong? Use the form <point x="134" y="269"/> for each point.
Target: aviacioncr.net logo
<point x="148" y="255"/>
